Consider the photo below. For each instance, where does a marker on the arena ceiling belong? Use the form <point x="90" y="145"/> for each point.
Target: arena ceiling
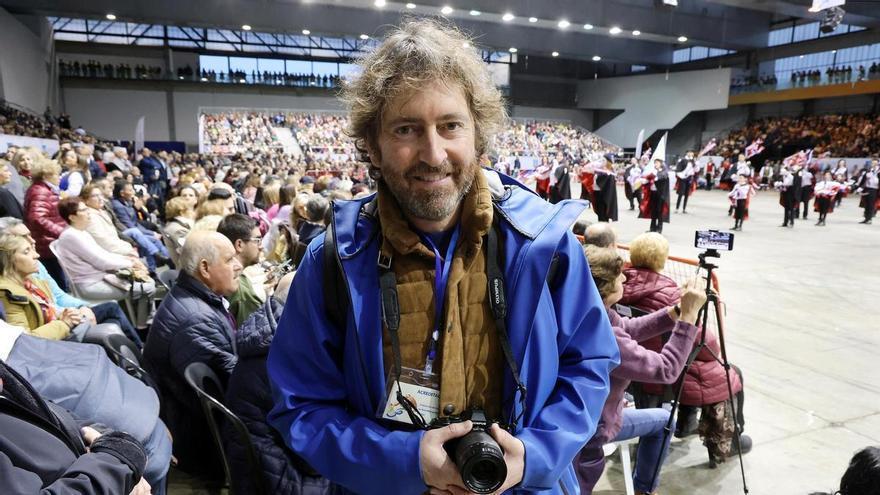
<point x="648" y="31"/>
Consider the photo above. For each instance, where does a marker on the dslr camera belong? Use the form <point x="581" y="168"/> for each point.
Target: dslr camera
<point x="477" y="455"/>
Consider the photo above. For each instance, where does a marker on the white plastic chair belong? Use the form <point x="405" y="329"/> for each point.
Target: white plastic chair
<point x="625" y="461"/>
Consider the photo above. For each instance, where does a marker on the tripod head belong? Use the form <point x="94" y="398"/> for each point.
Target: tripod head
<point x="709" y="253"/>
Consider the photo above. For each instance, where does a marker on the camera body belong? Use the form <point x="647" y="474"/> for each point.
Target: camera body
<point x="477" y="455"/>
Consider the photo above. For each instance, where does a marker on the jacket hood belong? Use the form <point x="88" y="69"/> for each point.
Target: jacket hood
<point x="647" y="289"/>
<point x="255" y="335"/>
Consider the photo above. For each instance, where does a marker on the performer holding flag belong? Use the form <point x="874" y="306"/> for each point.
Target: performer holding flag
<point x="739" y="197"/>
<point x="655" y="181"/>
<point x="685" y="184"/>
<point x="632" y="185"/>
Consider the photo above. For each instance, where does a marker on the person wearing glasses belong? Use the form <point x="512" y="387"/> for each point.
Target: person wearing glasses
<point x="243" y="233"/>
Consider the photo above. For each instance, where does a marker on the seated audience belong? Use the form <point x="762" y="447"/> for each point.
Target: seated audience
<point x="43" y="449"/>
<point x="149" y="242"/>
<point x="9" y="206"/>
<point x="97" y="273"/>
<point x="101" y="225"/>
<point x="243" y="233"/>
<point x="41" y="213"/>
<point x="76" y="175"/>
<point x="705" y="384"/>
<point x="181" y="218"/>
<point x="107" y="312"/>
<point x="193" y="325"/>
<point x="636" y="363"/>
<point x="29" y="303"/>
<point x="249" y="397"/>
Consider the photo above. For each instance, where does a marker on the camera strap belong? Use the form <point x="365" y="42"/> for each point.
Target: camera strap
<point x="497" y="304"/>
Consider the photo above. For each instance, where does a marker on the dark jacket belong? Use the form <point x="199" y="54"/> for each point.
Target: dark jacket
<point x="41" y="450"/>
<point x="191" y="325"/>
<point x="706" y="381"/>
<point x="42" y="218"/>
<point x="9" y="206"/>
<point x="149" y="166"/>
<point x="249" y="397"/>
<point x="127" y="216"/>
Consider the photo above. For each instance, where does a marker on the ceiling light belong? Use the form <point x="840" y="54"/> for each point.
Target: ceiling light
<point x="410" y="5"/>
<point x="615" y="30"/>
<point x="242" y="81"/>
<point x="563" y="24"/>
<point x="833" y="51"/>
<point x="682" y="39"/>
<point x="364" y="37"/>
<point x="637" y="33"/>
<point x="596" y="58"/>
<point x="466" y="44"/>
<point x="588" y="26"/>
<point x="555" y="54"/>
<point x="306" y="32"/>
<point x="446" y="10"/>
<point x="507" y="17"/>
<point x="512" y="50"/>
<point x="533" y="19"/>
<point x="111" y="17"/>
<point x="246" y="27"/>
<point x="204" y="79"/>
<point x="801" y="56"/>
<point x="380" y="3"/>
<point x="475" y="12"/>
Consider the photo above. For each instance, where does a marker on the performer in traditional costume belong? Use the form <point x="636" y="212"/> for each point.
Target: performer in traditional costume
<point x="868" y="186"/>
<point x="788" y="194"/>
<point x="542" y="179"/>
<point x="632" y="185"/>
<point x="740" y="196"/>
<point x="560" y="181"/>
<point x="841" y="175"/>
<point x="826" y="191"/>
<point x="655" y="203"/>
<point x="807" y="180"/>
<point x="605" y="191"/>
<point x="685" y="184"/>
<point x="587" y="179"/>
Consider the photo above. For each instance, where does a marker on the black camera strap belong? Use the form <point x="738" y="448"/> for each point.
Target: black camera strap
<point x="497" y="304"/>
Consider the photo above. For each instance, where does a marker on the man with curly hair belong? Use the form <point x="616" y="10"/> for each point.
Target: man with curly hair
<point x="486" y="300"/>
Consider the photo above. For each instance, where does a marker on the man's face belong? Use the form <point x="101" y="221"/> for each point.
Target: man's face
<point x="146" y="152"/>
<point x="229" y="206"/>
<point x="249" y="249"/>
<point x="127" y="192"/>
<point x="426" y="151"/>
<point x="106" y="188"/>
<point x="221" y="276"/>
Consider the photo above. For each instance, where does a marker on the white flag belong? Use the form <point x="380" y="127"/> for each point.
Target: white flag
<point x="639" y="142"/>
<point x="139" y="135"/>
<point x="820" y="5"/>
<point x="660" y="152"/>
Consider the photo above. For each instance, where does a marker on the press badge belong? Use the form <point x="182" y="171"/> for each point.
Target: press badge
<point x="422" y="389"/>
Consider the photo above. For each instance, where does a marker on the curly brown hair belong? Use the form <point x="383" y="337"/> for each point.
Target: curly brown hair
<point x="605" y="266"/>
<point x="414" y="54"/>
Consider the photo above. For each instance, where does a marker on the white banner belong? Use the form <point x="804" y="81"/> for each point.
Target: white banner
<point x="139" y="135"/>
<point x="819" y="5"/>
<point x="48" y="146"/>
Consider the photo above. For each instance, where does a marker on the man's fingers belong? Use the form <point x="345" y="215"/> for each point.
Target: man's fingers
<point x="454" y="430"/>
<point x="508" y="443"/>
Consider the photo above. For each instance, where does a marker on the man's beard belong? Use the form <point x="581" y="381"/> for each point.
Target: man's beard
<point x="437" y="204"/>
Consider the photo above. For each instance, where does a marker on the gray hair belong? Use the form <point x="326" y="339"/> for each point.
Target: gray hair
<point x="7" y="223"/>
<point x="199" y="246"/>
<point x="316" y="208"/>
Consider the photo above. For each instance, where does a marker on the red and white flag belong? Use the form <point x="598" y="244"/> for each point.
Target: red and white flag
<point x="755" y="148"/>
<point x="800" y="159"/>
<point x="709" y="147"/>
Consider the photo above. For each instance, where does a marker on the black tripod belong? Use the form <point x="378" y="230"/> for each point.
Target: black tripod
<point x="702" y="319"/>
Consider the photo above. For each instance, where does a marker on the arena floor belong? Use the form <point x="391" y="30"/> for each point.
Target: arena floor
<point x="800" y="323"/>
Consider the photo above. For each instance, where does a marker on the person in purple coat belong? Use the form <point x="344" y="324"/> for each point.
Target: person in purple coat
<point x="637" y="363"/>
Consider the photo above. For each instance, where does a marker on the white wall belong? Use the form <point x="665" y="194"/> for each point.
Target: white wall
<point x="583" y="118"/>
<point x="653" y="101"/>
<point x="24" y="72"/>
<point x="113" y="114"/>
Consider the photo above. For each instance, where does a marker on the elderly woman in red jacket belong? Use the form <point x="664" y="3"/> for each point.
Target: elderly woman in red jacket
<point x="41" y="213"/>
<point x="705" y="385"/>
<point x="637" y="363"/>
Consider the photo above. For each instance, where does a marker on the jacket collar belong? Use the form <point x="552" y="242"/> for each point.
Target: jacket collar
<point x="194" y="285"/>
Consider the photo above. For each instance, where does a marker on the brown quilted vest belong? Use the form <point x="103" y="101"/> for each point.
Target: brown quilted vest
<point x="469" y="358"/>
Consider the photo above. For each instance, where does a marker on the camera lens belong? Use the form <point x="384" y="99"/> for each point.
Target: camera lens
<point x="480" y="462"/>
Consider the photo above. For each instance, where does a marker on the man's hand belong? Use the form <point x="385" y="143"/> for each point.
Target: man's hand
<point x="89" y="435"/>
<point x="142" y="488"/>
<point x="514" y="456"/>
<point x="88" y="315"/>
<point x="438" y="471"/>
